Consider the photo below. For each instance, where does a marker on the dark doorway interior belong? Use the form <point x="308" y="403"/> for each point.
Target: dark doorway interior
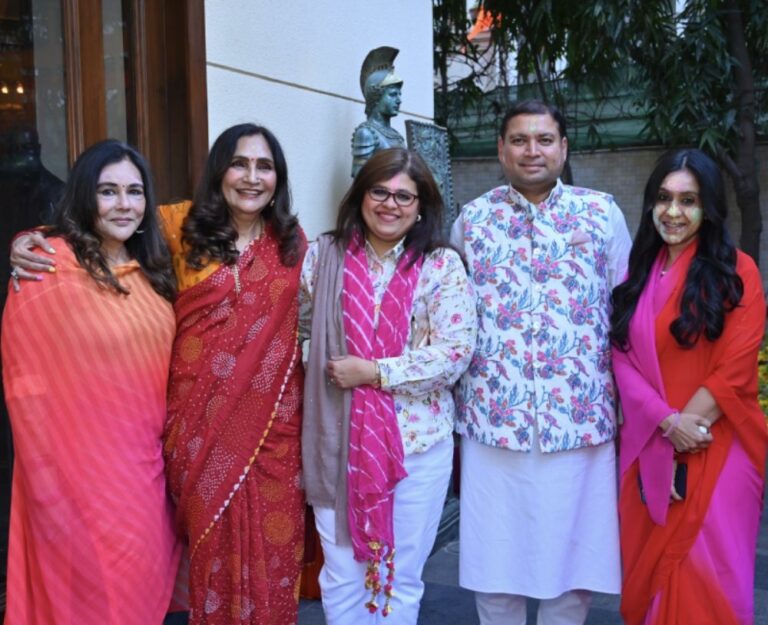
<point x="54" y="102"/>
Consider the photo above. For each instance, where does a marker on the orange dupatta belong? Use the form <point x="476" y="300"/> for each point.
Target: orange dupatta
<point x="85" y="372"/>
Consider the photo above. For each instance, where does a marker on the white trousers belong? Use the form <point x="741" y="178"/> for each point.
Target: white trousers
<point x="570" y="608"/>
<point x="419" y="502"/>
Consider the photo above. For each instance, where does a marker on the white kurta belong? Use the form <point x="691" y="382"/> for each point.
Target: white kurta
<point x="554" y="529"/>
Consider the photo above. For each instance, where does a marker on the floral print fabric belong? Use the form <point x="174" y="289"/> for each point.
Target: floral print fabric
<point x="440" y="341"/>
<point x="542" y="275"/>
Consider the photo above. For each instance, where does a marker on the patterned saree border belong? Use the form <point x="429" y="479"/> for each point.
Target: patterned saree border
<point x="252" y="459"/>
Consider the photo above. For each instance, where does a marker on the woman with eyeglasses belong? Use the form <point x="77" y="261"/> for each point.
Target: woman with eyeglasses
<point x="391" y="321"/>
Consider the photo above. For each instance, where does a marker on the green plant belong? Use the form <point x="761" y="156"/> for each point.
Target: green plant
<point x="762" y="369"/>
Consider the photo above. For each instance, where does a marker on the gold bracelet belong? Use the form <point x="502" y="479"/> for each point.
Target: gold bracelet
<point x="376" y="374"/>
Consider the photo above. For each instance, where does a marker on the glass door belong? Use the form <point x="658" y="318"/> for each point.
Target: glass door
<point x="73" y="72"/>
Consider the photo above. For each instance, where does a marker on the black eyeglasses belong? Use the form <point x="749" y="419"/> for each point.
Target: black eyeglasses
<point x="402" y="198"/>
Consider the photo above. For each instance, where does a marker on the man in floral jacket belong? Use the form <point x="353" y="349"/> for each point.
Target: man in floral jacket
<point x="536" y="409"/>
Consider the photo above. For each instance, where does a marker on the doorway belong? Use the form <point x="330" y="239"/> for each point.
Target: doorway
<point x="73" y="72"/>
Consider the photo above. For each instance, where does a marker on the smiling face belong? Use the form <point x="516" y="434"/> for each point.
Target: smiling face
<point x="120" y="204"/>
<point x="250" y="181"/>
<point x="532" y="154"/>
<point x="677" y="214"/>
<point x="386" y="222"/>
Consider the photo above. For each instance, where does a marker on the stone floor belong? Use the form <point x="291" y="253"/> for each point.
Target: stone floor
<point x="445" y="603"/>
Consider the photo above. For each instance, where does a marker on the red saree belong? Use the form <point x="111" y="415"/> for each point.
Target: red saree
<point x="232" y="439"/>
<point x="85" y="370"/>
<point x="696" y="567"/>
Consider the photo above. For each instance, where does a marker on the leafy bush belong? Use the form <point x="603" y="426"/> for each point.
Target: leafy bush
<point x="762" y="368"/>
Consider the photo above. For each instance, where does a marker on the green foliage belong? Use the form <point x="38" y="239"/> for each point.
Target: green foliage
<point x="763" y="377"/>
<point x="694" y="77"/>
<point x="681" y="64"/>
<point x="451" y="26"/>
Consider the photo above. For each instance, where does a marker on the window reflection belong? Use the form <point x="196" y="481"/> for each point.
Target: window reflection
<point x="33" y="128"/>
<point x="33" y="157"/>
<point x="115" y="59"/>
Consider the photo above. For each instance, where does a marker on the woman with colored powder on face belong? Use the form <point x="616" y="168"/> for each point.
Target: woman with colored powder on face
<point x="686" y="327"/>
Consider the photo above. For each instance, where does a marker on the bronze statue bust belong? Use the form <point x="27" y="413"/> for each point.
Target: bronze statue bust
<point x="382" y="90"/>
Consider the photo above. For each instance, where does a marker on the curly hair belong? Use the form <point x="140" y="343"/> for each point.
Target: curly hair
<point x="208" y="230"/>
<point x="712" y="286"/>
<point x="426" y="234"/>
<point x="76" y="213"/>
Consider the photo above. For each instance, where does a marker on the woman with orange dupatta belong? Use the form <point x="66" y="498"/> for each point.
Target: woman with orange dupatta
<point x="687" y="326"/>
<point x="85" y="369"/>
<point x="232" y="438"/>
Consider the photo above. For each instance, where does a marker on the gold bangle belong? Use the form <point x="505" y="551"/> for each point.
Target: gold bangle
<point x="376" y="374"/>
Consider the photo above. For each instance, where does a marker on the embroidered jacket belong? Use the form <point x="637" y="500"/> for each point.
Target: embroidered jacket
<point x="542" y="276"/>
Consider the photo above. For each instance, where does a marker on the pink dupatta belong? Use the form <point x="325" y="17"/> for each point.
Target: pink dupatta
<point x="641" y="387"/>
<point x="376" y="453"/>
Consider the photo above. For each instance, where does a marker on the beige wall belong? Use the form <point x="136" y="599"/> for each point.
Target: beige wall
<point x="294" y="67"/>
<point x="622" y="173"/>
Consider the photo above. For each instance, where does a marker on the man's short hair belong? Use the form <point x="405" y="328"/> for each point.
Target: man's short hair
<point x="533" y="107"/>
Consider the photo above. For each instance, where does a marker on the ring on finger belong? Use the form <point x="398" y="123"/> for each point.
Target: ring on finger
<point x="703" y="429"/>
<point x="14" y="273"/>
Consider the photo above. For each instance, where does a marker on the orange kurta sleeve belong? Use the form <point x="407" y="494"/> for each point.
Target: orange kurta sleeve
<point x="172" y="218"/>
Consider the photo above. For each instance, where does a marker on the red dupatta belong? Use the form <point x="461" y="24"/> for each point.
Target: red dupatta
<point x="235" y="379"/>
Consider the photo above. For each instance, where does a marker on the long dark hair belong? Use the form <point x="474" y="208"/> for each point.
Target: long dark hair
<point x="208" y="230"/>
<point x="77" y="211"/>
<point x="425" y="235"/>
<point x="712" y="286"/>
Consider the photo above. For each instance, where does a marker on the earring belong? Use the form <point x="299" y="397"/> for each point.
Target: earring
<point x="418" y="217"/>
<point x="272" y="203"/>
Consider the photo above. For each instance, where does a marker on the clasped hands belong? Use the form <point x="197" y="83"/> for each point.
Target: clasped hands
<point x="688" y="432"/>
<point x="350" y="371"/>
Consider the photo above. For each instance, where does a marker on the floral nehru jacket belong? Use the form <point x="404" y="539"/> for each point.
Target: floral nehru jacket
<point x="542" y="276"/>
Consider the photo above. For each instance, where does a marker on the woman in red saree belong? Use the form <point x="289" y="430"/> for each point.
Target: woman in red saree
<point x="85" y="369"/>
<point x="687" y="327"/>
<point x="232" y="437"/>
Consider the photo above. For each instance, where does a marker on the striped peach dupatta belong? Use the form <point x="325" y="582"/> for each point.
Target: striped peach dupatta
<point x="85" y="373"/>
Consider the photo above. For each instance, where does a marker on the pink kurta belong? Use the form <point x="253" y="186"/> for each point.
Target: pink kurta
<point x="85" y="372"/>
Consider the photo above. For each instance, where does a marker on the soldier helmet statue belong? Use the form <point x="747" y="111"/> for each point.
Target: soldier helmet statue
<point x="377" y="72"/>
